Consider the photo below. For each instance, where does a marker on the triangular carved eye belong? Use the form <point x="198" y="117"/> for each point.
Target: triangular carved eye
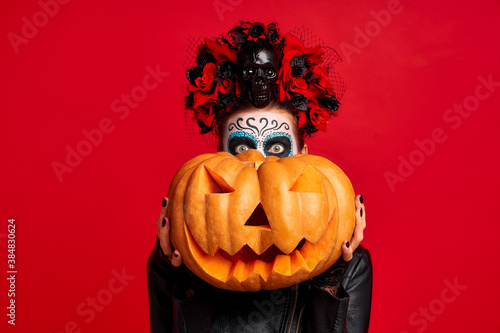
<point x="309" y="180"/>
<point x="211" y="182"/>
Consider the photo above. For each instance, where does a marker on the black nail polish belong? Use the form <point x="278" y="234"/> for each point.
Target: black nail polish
<point x="361" y="212"/>
<point x="347" y="244"/>
<point x="164" y="221"/>
<point x="164" y="202"/>
<point x="360" y="198"/>
<point x="176" y="255"/>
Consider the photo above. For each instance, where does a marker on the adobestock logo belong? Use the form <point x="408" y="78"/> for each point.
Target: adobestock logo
<point x="372" y="28"/>
<point x="420" y="319"/>
<point x="89" y="308"/>
<point x="454" y="118"/>
<point x="263" y="309"/>
<point x="30" y="27"/>
<point x="223" y="6"/>
<point x="121" y="107"/>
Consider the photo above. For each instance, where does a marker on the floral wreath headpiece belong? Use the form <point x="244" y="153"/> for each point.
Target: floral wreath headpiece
<point x="305" y="83"/>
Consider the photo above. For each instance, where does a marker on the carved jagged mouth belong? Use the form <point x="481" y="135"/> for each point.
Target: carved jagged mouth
<point x="246" y="254"/>
<point x="245" y="263"/>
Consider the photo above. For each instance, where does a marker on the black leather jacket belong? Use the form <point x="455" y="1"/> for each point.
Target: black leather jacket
<point x="181" y="302"/>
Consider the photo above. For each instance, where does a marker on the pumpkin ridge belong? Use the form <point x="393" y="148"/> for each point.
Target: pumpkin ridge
<point x="201" y="238"/>
<point x="224" y="239"/>
<point x="212" y="234"/>
<point x="232" y="202"/>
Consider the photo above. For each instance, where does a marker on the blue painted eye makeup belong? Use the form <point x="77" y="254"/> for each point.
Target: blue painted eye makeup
<point x="278" y="144"/>
<point x="240" y="142"/>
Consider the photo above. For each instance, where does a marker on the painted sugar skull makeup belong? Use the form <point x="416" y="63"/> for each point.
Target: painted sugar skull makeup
<point x="271" y="133"/>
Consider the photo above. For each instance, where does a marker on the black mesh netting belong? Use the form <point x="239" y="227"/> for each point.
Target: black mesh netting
<point x="330" y="58"/>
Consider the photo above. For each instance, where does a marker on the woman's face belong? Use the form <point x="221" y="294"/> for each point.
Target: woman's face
<point x="270" y="131"/>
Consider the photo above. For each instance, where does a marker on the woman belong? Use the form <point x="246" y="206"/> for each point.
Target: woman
<point x="336" y="301"/>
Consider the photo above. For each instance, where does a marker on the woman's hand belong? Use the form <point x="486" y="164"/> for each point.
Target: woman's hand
<point x="348" y="247"/>
<point x="163" y="227"/>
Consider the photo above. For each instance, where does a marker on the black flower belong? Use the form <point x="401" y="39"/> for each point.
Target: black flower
<point x="256" y="30"/>
<point x="226" y="70"/>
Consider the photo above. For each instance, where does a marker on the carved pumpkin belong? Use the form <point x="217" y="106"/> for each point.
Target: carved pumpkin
<point x="247" y="223"/>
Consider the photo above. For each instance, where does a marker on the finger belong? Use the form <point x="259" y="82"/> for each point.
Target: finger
<point x="360" y="210"/>
<point x="360" y="223"/>
<point x="163" y="213"/>
<point x="358" y="201"/>
<point x="346" y="251"/>
<point x="348" y="248"/>
<point x="164" y="236"/>
<point x="176" y="258"/>
<point x="357" y="236"/>
<point x="164" y="206"/>
<point x="159" y="225"/>
<point x="360" y="219"/>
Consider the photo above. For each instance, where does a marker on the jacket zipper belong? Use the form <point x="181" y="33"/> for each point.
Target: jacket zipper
<point x="300" y="319"/>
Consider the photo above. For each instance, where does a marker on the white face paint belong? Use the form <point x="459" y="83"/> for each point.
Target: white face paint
<point x="271" y="133"/>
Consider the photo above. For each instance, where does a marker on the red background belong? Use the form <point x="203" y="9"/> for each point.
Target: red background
<point x="439" y="224"/>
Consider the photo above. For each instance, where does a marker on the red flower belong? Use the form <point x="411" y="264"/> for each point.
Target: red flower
<point x="221" y="52"/>
<point x="319" y="115"/>
<point x="223" y="86"/>
<point x="204" y="104"/>
<point x="319" y="85"/>
<point x="205" y="112"/>
<point x="290" y="84"/>
<point x="302" y="119"/>
<point x="204" y="82"/>
<point x="295" y="48"/>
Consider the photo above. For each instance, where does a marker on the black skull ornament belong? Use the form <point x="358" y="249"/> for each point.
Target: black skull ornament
<point x="259" y="73"/>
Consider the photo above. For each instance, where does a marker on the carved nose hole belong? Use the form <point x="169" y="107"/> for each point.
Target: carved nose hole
<point x="258" y="218"/>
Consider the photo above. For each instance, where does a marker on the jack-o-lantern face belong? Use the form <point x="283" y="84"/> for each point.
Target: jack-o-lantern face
<point x="247" y="223"/>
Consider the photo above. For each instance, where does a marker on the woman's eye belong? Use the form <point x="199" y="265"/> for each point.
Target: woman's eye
<point x="241" y="149"/>
<point x="249" y="71"/>
<point x="276" y="148"/>
<point x="270" y="72"/>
